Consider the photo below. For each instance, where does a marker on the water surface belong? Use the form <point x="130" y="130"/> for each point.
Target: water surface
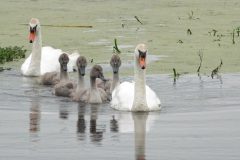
<point x="165" y="22"/>
<point x="199" y="120"/>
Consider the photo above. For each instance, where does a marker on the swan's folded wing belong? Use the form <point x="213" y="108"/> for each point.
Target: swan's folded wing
<point x="49" y="61"/>
<point x="122" y="96"/>
<point x="152" y="99"/>
<point x="25" y="65"/>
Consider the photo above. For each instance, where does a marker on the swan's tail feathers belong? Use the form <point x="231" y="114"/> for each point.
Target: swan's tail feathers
<point x="72" y="61"/>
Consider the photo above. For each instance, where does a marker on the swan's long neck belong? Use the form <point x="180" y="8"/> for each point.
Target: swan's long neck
<point x="93" y="83"/>
<point x="35" y="62"/>
<point x="63" y="75"/>
<point x="81" y="83"/>
<point x="115" y="81"/>
<point x="94" y="92"/>
<point x="139" y="101"/>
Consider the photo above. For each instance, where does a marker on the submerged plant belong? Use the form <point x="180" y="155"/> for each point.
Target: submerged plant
<point x="8" y="54"/>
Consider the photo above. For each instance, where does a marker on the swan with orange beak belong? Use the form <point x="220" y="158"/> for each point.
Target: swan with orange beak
<point x="136" y="96"/>
<point x="43" y="59"/>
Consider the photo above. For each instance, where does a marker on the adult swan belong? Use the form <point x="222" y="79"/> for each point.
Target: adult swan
<point x="136" y="96"/>
<point x="42" y="59"/>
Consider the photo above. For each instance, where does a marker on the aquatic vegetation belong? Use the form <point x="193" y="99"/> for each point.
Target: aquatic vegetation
<point x="175" y="75"/>
<point x="3" y="69"/>
<point x="10" y="53"/>
<point x="138" y="19"/>
<point x="191" y="16"/>
<point x="233" y="36"/>
<point x="214" y="31"/>
<point x="238" y="31"/>
<point x="180" y="41"/>
<point x="115" y="47"/>
<point x="189" y="32"/>
<point x="200" y="54"/>
<point x="216" y="70"/>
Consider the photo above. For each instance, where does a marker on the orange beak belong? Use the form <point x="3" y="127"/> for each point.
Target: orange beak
<point x="142" y="62"/>
<point x="32" y="36"/>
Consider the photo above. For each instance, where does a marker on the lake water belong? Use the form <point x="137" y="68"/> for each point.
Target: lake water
<point x="199" y="120"/>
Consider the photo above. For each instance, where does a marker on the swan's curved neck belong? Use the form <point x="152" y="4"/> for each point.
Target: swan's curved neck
<point x="95" y="96"/>
<point x="35" y="63"/>
<point x="81" y="83"/>
<point x="139" y="102"/>
<point x="115" y="81"/>
<point x="93" y="83"/>
<point x="63" y="75"/>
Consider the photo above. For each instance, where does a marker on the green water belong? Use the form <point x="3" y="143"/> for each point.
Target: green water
<point x="165" y="22"/>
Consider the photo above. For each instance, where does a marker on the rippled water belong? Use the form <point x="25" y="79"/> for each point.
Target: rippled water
<point x="165" y="23"/>
<point x="199" y="120"/>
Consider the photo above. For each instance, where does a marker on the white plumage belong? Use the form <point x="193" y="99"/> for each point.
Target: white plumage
<point x="136" y="96"/>
<point x="43" y="59"/>
<point x="123" y="96"/>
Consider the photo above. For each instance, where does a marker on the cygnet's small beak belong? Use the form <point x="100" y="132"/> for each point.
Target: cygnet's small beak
<point x="102" y="77"/>
<point x="64" y="68"/>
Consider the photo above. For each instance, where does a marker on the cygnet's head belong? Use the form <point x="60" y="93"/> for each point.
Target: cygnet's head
<point x="63" y="60"/>
<point x="115" y="62"/>
<point x="141" y="55"/>
<point x="81" y="65"/>
<point x="97" y="72"/>
<point x="34" y="27"/>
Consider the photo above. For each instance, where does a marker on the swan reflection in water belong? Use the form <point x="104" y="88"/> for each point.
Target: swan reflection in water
<point x="34" y="116"/>
<point x="63" y="111"/>
<point x="81" y="123"/>
<point x="140" y="119"/>
<point x="96" y="131"/>
<point x="138" y="123"/>
<point x="34" y="119"/>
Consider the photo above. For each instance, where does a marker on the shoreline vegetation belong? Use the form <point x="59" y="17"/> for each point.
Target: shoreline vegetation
<point x="9" y="54"/>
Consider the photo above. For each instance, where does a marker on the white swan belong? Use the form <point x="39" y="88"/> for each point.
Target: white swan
<point x="42" y="59"/>
<point x="136" y="96"/>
